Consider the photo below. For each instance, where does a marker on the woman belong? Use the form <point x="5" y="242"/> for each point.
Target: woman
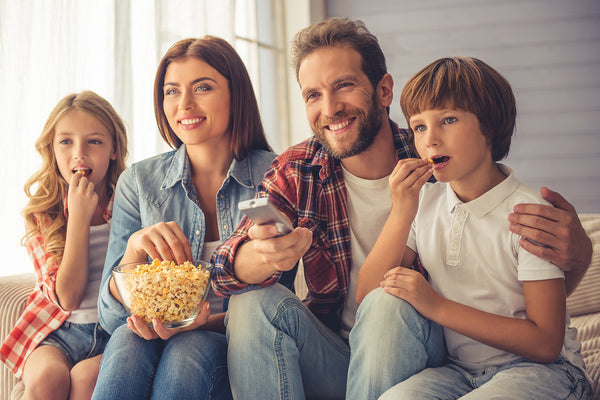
<point x="180" y="206"/>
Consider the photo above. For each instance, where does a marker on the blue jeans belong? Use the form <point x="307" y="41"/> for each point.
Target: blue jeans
<point x="189" y="365"/>
<point x="524" y="380"/>
<point x="78" y="341"/>
<point x="277" y="349"/>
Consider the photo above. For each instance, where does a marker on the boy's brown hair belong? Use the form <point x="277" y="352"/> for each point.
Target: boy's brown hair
<point x="467" y="84"/>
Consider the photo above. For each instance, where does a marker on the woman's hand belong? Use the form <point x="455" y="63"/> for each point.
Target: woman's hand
<point x="139" y="327"/>
<point x="164" y="241"/>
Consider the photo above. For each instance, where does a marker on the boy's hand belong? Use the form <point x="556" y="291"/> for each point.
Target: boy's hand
<point x="411" y="286"/>
<point x="82" y="200"/>
<point x="406" y="180"/>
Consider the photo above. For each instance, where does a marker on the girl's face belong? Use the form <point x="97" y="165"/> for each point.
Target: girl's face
<point x="196" y="102"/>
<point x="82" y="143"/>
<point x="453" y="140"/>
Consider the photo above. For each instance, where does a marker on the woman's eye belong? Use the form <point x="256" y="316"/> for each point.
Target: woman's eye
<point x="203" y="88"/>
<point x="449" y="120"/>
<point x="169" y="91"/>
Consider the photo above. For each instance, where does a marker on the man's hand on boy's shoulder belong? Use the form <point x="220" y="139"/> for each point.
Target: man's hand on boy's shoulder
<point x="557" y="230"/>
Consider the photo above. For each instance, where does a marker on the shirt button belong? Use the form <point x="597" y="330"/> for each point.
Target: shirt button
<point x="225" y="226"/>
<point x="198" y="232"/>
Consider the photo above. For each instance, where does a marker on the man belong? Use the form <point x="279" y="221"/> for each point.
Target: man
<point x="334" y="189"/>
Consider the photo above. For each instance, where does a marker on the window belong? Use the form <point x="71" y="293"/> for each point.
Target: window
<point x="51" y="48"/>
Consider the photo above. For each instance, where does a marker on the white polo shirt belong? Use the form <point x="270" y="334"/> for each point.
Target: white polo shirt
<point x="474" y="259"/>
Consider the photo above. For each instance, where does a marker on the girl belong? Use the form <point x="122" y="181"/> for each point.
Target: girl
<point x="180" y="206"/>
<point x="57" y="344"/>
<point x="503" y="309"/>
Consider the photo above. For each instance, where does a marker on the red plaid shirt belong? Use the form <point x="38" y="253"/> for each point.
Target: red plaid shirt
<point x="42" y="314"/>
<point x="307" y="184"/>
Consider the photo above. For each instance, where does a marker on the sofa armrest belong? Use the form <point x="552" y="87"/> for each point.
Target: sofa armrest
<point x="14" y="291"/>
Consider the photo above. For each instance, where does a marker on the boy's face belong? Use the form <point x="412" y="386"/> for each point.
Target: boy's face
<point x="453" y="140"/>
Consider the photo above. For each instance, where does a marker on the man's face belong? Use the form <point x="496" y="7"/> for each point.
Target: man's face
<point x="341" y="105"/>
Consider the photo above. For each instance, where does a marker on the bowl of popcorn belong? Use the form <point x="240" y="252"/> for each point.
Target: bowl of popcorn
<point x="170" y="292"/>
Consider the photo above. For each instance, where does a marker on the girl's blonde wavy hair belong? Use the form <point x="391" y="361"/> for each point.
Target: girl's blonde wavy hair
<point x="45" y="189"/>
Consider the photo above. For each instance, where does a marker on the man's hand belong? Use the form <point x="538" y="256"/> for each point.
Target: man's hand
<point x="557" y="230"/>
<point x="265" y="254"/>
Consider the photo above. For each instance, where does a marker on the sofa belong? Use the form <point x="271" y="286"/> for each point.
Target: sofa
<point x="583" y="304"/>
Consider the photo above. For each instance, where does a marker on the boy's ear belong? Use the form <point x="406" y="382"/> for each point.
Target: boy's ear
<point x="385" y="90"/>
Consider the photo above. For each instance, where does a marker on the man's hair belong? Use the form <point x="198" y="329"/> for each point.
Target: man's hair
<point x="467" y="84"/>
<point x="341" y="32"/>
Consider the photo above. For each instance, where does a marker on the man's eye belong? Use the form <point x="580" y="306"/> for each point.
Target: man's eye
<point x="310" y="96"/>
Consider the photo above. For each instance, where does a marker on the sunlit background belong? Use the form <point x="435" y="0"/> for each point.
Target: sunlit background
<point x="548" y="49"/>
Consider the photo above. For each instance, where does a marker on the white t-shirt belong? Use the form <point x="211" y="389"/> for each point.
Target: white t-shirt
<point x="87" y="313"/>
<point x="369" y="204"/>
<point x="216" y="302"/>
<point x="474" y="259"/>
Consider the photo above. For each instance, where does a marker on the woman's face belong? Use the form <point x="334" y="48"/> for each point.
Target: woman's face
<point x="196" y="102"/>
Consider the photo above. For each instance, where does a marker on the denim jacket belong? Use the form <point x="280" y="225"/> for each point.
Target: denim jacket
<point x="159" y="189"/>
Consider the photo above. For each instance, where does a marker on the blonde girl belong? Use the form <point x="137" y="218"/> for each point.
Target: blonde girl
<point x="57" y="344"/>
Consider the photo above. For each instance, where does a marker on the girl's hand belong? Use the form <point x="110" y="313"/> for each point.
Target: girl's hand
<point x="412" y="286"/>
<point x="406" y="180"/>
<point x="164" y="240"/>
<point x="139" y="327"/>
<point x="82" y="200"/>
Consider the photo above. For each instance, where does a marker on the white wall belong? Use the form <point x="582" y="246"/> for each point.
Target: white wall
<point x="549" y="50"/>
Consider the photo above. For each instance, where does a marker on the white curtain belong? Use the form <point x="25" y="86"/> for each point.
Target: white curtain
<point x="50" y="48"/>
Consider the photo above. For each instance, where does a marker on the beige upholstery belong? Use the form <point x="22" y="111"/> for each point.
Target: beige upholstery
<point x="14" y="291"/>
<point x="584" y="306"/>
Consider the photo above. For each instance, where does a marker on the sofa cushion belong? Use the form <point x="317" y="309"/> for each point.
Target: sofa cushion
<point x="586" y="298"/>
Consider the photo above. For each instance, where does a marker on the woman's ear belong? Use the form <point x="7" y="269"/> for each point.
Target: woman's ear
<point x="385" y="90"/>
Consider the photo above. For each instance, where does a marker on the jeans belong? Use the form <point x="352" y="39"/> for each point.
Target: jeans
<point x="77" y="341"/>
<point x="277" y="349"/>
<point x="390" y="342"/>
<point x="189" y="365"/>
<point x="525" y="380"/>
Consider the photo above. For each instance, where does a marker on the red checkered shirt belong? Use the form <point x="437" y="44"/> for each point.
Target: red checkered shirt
<point x="42" y="314"/>
<point x="307" y="185"/>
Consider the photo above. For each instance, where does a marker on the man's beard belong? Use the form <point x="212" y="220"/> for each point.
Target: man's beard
<point x="369" y="124"/>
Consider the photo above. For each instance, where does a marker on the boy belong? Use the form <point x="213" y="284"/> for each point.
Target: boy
<point x="502" y="309"/>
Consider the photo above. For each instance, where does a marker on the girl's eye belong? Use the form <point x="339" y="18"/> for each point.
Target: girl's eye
<point x="64" y="141"/>
<point x="419" y="128"/>
<point x="449" y="120"/>
<point x="95" y="141"/>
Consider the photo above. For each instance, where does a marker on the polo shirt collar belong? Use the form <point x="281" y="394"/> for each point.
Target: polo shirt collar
<point x="487" y="201"/>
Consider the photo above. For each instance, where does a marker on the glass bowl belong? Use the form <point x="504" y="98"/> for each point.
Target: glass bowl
<point x="172" y="293"/>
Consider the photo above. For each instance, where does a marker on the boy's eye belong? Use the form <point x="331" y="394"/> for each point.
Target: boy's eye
<point x="449" y="120"/>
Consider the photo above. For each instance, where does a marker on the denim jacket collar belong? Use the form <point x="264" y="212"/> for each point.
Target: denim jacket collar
<point x="179" y="170"/>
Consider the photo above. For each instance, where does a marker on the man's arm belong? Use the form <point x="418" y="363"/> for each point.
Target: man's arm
<point x="561" y="237"/>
